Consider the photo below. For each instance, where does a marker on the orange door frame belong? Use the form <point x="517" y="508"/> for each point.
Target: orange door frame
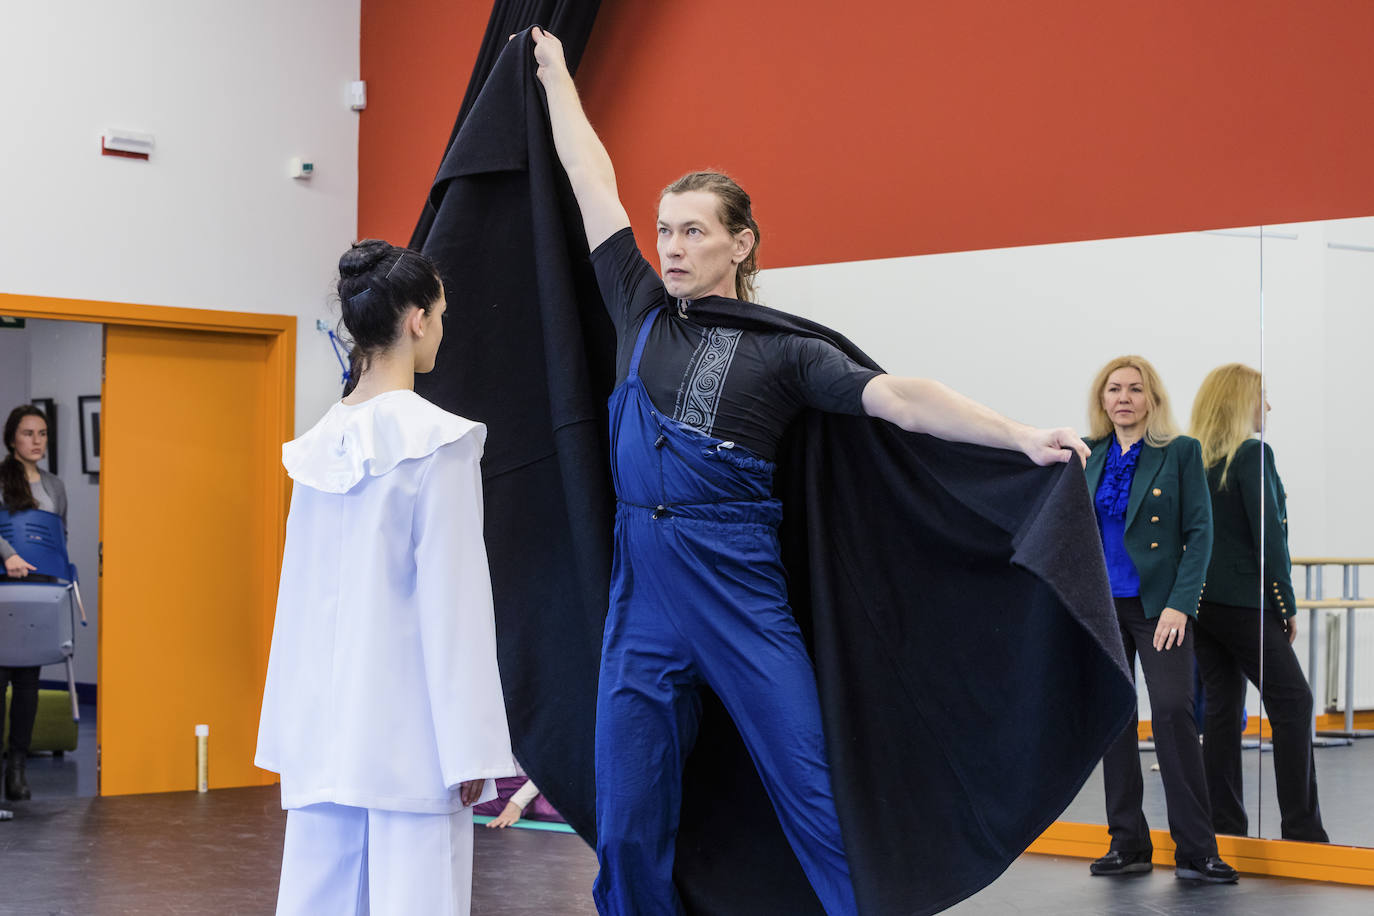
<point x="279" y="405"/>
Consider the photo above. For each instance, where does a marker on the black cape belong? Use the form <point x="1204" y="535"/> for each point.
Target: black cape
<point x="954" y="598"/>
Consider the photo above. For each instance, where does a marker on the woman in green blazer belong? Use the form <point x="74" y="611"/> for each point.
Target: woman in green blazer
<point x="1232" y="633"/>
<point x="1155" y="517"/>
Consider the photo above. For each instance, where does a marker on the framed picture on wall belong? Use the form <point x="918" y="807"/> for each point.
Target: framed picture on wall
<point x="49" y="408"/>
<point x="88" y="405"/>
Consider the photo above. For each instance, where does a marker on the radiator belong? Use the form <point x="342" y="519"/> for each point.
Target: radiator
<point x="1333" y="695"/>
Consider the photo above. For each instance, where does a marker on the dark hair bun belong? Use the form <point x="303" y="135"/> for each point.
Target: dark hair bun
<point x="395" y="280"/>
<point x="363" y="257"/>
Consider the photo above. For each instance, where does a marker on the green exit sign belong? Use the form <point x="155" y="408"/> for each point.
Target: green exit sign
<point x="8" y="322"/>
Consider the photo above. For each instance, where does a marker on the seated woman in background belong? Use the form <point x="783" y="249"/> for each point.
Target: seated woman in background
<point x="1228" y="411"/>
<point x="1153" y="512"/>
<point x="24" y="485"/>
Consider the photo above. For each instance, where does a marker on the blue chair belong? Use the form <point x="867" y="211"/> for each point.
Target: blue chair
<point x="31" y="630"/>
<point x="39" y="538"/>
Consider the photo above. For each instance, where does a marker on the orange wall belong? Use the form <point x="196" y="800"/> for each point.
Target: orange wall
<point x="909" y="128"/>
<point x="416" y="57"/>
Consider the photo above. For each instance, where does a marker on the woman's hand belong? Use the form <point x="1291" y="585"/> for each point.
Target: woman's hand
<point x="470" y="791"/>
<point x="509" y="815"/>
<point x="1290" y="626"/>
<point x="17" y="567"/>
<point x="1169" y="631"/>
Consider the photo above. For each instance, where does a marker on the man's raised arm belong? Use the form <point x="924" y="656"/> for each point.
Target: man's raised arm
<point x="579" y="149"/>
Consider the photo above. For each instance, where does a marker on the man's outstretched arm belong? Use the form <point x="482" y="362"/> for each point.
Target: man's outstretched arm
<point x="922" y="405"/>
<point x="580" y="151"/>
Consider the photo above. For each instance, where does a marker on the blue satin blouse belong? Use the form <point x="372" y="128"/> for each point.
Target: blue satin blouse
<point x="1112" y="497"/>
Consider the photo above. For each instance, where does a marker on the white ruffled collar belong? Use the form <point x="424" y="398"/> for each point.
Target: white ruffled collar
<point x="353" y="441"/>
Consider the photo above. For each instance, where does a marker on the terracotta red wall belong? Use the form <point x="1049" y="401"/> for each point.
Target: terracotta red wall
<point x="416" y="57"/>
<point x="912" y="127"/>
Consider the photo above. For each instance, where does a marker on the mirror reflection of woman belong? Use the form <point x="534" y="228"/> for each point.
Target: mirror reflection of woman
<point x="1155" y="517"/>
<point x="24" y="485"/>
<point x="1228" y="411"/>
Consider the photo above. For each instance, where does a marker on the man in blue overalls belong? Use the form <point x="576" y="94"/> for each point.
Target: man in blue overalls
<point x="698" y="591"/>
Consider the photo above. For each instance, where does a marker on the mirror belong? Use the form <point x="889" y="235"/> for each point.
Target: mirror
<point x="1025" y="330"/>
<point x="1318" y="328"/>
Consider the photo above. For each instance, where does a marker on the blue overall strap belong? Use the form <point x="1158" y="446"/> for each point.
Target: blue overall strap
<point x="644" y="327"/>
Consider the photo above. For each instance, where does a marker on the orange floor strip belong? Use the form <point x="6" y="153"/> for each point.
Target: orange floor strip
<point x="1327" y="722"/>
<point x="1250" y="855"/>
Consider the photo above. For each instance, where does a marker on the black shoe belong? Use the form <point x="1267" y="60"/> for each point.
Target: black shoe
<point x="1211" y="870"/>
<point x="16" y="786"/>
<point x="1123" y="863"/>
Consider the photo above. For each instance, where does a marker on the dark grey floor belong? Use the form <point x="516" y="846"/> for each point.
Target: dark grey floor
<point x="219" y="853"/>
<point x="1052" y="886"/>
<point x="1345" y="785"/>
<point x="73" y="775"/>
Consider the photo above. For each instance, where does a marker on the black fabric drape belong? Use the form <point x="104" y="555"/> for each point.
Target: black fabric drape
<point x="570" y="20"/>
<point x="530" y="351"/>
<point x="954" y="598"/>
<point x="970" y="669"/>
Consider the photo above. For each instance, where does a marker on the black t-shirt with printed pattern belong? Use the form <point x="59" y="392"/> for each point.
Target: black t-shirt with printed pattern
<point x="744" y="386"/>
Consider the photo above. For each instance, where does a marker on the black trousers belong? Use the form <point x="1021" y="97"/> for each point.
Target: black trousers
<point x="1228" y="654"/>
<point x="23" y="707"/>
<point x="1169" y="680"/>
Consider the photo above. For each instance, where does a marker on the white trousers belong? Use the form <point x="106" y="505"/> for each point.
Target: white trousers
<point x="341" y="860"/>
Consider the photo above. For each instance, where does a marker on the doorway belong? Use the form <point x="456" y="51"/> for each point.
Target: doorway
<point x="192" y="505"/>
<point x="55" y="367"/>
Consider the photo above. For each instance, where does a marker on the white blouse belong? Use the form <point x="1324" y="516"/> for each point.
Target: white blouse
<point x="382" y="686"/>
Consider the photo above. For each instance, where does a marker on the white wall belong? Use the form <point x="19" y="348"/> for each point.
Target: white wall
<point x="1025" y="329"/>
<point x="1319" y="338"/>
<point x="1319" y="335"/>
<point x="14" y="366"/>
<point x="231" y="91"/>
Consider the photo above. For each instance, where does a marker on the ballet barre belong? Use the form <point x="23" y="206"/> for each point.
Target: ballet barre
<point x="1316" y="605"/>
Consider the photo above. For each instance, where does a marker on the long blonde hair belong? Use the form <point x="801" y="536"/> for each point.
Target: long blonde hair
<point x="1224" y="413"/>
<point x="736" y="214"/>
<point x="1160" y="427"/>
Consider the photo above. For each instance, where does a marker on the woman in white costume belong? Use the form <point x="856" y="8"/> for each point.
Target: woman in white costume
<point x="383" y="710"/>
